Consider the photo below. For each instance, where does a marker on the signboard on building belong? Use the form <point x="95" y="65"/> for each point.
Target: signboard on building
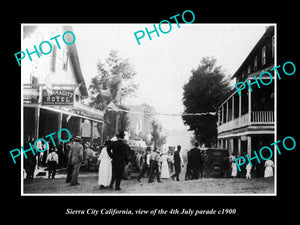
<point x="58" y="97"/>
<point x="30" y="95"/>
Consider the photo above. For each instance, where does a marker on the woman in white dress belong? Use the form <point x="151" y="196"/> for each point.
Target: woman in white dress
<point x="233" y="166"/>
<point x="165" y="173"/>
<point x="105" y="168"/>
<point x="269" y="168"/>
<point x="234" y="169"/>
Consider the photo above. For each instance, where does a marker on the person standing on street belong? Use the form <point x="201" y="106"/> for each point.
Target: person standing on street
<point x="269" y="164"/>
<point x="76" y="158"/>
<point x="40" y="153"/>
<point x="146" y="164"/>
<point x="118" y="151"/>
<point x="188" y="173"/>
<point x="154" y="167"/>
<point x="52" y="160"/>
<point x="178" y="162"/>
<point x="105" y="169"/>
<point x="68" y="160"/>
<point x="165" y="172"/>
<point x="196" y="161"/>
<point x="29" y="163"/>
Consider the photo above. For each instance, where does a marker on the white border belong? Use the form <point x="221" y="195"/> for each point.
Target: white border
<point x="157" y="194"/>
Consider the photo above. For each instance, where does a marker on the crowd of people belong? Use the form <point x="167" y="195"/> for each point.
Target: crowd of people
<point x="113" y="157"/>
<point x="160" y="164"/>
<point x="56" y="156"/>
<point x="248" y="171"/>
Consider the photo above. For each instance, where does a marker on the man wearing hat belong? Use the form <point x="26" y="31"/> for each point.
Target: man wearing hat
<point x="146" y="165"/>
<point x="118" y="151"/>
<point x="75" y="159"/>
<point x="154" y="166"/>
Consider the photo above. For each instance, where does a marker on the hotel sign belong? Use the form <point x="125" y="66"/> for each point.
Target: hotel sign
<point x="58" y="97"/>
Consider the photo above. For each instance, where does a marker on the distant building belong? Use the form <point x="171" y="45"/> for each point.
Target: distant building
<point x="139" y="123"/>
<point x="246" y="123"/>
<point x="54" y="88"/>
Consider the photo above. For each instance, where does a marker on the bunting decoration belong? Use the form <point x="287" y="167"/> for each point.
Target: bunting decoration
<point x="160" y="114"/>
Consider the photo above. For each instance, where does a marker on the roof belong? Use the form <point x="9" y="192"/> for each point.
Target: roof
<point x="73" y="54"/>
<point x="268" y="33"/>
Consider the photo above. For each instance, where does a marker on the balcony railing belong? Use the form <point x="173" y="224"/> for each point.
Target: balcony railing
<point x="262" y="117"/>
<point x="257" y="117"/>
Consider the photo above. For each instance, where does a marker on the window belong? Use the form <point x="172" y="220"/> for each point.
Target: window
<point x="53" y="59"/>
<point x="273" y="46"/>
<point x="34" y="80"/>
<point x="255" y="64"/>
<point x="243" y="75"/>
<point x="263" y="55"/>
<point x="249" y="69"/>
<point x="65" y="60"/>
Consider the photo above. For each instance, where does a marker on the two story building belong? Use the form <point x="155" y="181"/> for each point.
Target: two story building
<point x="246" y="122"/>
<point x="53" y="88"/>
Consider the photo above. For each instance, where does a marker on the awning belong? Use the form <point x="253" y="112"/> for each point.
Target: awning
<point x="75" y="111"/>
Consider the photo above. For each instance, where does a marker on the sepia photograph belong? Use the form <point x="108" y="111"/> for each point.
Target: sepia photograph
<point x="141" y="109"/>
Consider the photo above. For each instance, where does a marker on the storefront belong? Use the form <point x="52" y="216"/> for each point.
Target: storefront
<point x="45" y="113"/>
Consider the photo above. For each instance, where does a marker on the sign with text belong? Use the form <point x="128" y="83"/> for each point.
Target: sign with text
<point x="30" y="95"/>
<point x="58" y="97"/>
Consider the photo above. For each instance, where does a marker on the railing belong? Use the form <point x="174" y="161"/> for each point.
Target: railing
<point x="257" y="117"/>
<point x="238" y="122"/>
<point x="262" y="117"/>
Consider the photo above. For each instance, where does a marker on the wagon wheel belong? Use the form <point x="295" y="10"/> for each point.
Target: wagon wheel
<point x="127" y="171"/>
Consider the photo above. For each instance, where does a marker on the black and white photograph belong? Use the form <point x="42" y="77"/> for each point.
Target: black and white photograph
<point x="176" y="108"/>
<point x="137" y="114"/>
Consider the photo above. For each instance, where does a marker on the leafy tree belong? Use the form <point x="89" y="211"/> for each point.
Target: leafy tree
<point x="157" y="138"/>
<point x="112" y="84"/>
<point x="205" y="90"/>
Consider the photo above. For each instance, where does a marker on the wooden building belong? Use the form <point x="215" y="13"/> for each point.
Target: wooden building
<point x="246" y="123"/>
<point x="54" y="90"/>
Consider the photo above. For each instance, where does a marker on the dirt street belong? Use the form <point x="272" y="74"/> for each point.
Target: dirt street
<point x="88" y="185"/>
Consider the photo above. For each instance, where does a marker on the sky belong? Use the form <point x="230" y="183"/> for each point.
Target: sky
<point x="164" y="64"/>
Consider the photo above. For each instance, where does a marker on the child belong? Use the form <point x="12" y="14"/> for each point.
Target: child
<point x="269" y="170"/>
<point x="248" y="168"/>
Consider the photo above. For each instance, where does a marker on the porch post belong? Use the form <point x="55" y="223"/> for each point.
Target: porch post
<point x="227" y="112"/>
<point x="232" y="106"/>
<point x="223" y="120"/>
<point x="102" y="133"/>
<point x="59" y="122"/>
<point x="249" y="146"/>
<point x="92" y="130"/>
<point x="240" y="105"/>
<point x="239" y="146"/>
<point x="230" y="146"/>
<point x="117" y="122"/>
<point x="249" y="104"/>
<point x="36" y="122"/>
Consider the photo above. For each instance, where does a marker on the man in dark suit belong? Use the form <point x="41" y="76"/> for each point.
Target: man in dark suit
<point x="177" y="163"/>
<point x="154" y="166"/>
<point x="76" y="158"/>
<point x="188" y="173"/>
<point x="146" y="165"/>
<point x="195" y="161"/>
<point x="118" y="151"/>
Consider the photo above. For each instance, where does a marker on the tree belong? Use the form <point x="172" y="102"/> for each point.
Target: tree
<point x="205" y="90"/>
<point x="157" y="138"/>
<point x="113" y="83"/>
